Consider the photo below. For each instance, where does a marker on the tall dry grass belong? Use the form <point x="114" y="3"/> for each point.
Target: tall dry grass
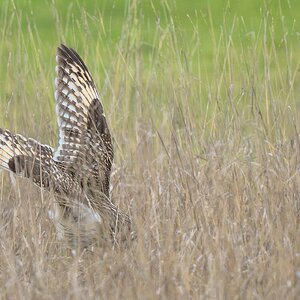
<point x="207" y="165"/>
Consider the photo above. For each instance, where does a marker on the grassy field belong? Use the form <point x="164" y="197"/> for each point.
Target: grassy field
<point x="203" y="102"/>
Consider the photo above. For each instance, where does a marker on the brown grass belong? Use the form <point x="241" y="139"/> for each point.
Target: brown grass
<point x="224" y="226"/>
<point x="207" y="165"/>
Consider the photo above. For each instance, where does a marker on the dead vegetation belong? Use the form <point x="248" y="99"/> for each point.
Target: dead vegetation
<point x="207" y="166"/>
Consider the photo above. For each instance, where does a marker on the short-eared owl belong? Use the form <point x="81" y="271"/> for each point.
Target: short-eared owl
<point x="78" y="171"/>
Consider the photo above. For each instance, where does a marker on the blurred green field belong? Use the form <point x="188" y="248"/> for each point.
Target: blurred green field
<point x="203" y="102"/>
<point x="188" y="16"/>
<point x="200" y="39"/>
<point x="101" y="23"/>
<point x="49" y="22"/>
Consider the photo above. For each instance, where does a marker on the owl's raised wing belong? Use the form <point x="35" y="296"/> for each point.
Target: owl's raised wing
<point x="85" y="147"/>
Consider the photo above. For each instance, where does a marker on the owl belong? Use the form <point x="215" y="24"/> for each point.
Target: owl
<point x="77" y="172"/>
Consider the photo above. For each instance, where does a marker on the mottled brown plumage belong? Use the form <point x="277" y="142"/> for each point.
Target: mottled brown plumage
<point x="78" y="171"/>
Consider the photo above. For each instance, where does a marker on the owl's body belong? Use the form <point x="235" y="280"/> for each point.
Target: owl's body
<point x="78" y="171"/>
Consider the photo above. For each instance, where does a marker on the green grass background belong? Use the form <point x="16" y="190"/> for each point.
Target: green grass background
<point x="174" y="39"/>
<point x="73" y="22"/>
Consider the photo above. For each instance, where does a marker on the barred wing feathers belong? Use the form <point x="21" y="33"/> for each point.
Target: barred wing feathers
<point x="78" y="171"/>
<point x="25" y="157"/>
<point x="85" y="147"/>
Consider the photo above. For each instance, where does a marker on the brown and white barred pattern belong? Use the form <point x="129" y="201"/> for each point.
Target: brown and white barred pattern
<point x="78" y="171"/>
